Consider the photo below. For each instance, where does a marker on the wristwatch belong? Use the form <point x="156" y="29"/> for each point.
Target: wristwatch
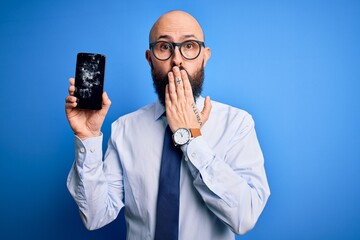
<point x="184" y="135"/>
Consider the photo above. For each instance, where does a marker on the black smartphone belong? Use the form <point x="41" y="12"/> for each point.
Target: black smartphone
<point x="89" y="80"/>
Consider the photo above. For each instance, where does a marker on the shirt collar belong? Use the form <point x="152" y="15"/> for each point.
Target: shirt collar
<point x="160" y="109"/>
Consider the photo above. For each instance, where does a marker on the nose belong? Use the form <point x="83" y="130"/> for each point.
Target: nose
<point x="176" y="58"/>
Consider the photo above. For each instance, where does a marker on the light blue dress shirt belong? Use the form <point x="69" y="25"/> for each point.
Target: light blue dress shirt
<point x="223" y="185"/>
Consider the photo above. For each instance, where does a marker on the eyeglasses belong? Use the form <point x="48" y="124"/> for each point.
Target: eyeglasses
<point x="189" y="49"/>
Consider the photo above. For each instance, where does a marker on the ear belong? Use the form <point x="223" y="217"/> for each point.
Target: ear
<point x="207" y="55"/>
<point x="148" y="57"/>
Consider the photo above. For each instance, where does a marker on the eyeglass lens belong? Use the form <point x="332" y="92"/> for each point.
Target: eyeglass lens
<point x="188" y="49"/>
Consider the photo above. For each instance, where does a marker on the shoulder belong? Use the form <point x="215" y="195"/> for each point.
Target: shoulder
<point x="230" y="118"/>
<point x="142" y="114"/>
<point x="229" y="111"/>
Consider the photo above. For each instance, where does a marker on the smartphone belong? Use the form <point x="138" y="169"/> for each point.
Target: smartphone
<point x="89" y="80"/>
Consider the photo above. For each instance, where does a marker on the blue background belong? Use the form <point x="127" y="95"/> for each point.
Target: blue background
<point x="294" y="65"/>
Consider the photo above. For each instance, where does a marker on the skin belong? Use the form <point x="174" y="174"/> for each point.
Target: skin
<point x="181" y="111"/>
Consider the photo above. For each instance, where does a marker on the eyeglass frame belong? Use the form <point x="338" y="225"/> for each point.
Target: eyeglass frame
<point x="179" y="45"/>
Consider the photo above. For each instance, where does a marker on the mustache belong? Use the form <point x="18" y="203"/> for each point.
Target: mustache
<point x="165" y="78"/>
<point x="182" y="68"/>
<point x="160" y="80"/>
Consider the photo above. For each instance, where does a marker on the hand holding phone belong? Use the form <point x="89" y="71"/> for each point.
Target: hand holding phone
<point x="89" y="80"/>
<point x="84" y="122"/>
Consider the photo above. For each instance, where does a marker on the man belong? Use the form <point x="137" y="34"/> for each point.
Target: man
<point x="222" y="182"/>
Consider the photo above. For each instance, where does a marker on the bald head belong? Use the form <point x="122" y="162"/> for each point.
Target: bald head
<point x="176" y="26"/>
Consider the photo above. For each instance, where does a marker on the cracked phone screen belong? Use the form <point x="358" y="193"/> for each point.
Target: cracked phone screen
<point x="89" y="80"/>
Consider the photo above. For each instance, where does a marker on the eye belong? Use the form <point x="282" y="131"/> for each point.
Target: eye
<point x="189" y="45"/>
<point x="164" y="46"/>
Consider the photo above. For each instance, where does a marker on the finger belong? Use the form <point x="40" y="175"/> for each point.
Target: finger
<point x="206" y="110"/>
<point x="106" y="100"/>
<point x="178" y="78"/>
<point x="71" y="102"/>
<point x="172" y="89"/>
<point x="71" y="89"/>
<point x="167" y="97"/>
<point x="187" y="86"/>
<point x="70" y="106"/>
<point x="179" y="83"/>
<point x="70" y="99"/>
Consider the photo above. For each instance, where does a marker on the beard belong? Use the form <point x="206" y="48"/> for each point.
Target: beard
<point x="160" y="81"/>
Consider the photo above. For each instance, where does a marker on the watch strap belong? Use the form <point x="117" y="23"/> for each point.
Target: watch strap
<point x="195" y="132"/>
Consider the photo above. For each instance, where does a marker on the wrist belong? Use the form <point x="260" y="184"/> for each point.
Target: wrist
<point x="84" y="136"/>
<point x="183" y="136"/>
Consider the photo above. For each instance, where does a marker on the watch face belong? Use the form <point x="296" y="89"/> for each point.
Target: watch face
<point x="182" y="136"/>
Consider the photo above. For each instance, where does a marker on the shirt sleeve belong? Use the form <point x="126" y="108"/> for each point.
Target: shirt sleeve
<point x="96" y="186"/>
<point x="234" y="187"/>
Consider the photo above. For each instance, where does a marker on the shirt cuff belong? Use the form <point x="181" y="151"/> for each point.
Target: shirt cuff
<point x="199" y="153"/>
<point x="88" y="151"/>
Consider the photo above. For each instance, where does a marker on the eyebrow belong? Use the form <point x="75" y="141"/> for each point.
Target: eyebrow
<point x="164" y="36"/>
<point x="190" y="36"/>
<point x="185" y="37"/>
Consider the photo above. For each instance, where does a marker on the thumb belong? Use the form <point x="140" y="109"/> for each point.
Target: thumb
<point x="207" y="109"/>
<point x="106" y="103"/>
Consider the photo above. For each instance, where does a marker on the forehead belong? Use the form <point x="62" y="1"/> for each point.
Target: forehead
<point x="176" y="26"/>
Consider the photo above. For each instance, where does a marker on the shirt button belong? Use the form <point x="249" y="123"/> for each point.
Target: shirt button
<point x="193" y="154"/>
<point x="82" y="150"/>
<point x="92" y="150"/>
